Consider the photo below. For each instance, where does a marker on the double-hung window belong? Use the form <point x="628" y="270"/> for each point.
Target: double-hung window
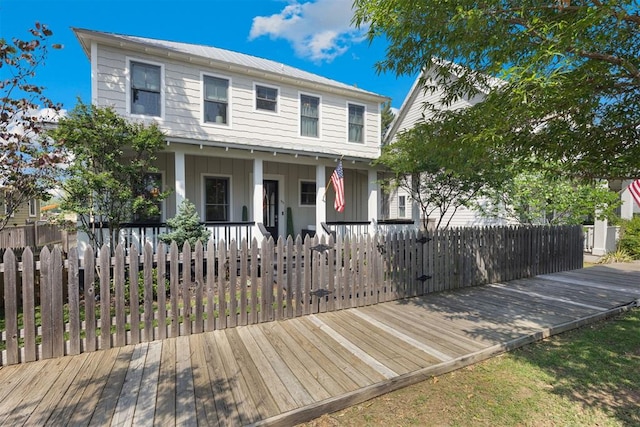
<point x="309" y="115"/>
<point x="356" y="123"/>
<point x="307" y="193"/>
<point x="266" y="98"/>
<point x="216" y="100"/>
<point x="402" y="206"/>
<point x="145" y="89"/>
<point x="216" y="198"/>
<point x="33" y="207"/>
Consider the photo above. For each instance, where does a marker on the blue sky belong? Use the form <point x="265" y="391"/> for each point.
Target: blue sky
<point x="314" y="35"/>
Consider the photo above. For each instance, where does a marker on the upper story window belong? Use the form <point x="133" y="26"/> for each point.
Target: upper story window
<point x="309" y="115"/>
<point x="356" y="123"/>
<point x="216" y="100"/>
<point x="266" y="98"/>
<point x="145" y="89"/>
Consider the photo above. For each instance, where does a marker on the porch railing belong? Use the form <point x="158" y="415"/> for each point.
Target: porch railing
<point x="359" y="228"/>
<point x="138" y="234"/>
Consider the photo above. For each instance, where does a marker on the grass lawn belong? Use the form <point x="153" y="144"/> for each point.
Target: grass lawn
<point x="585" y="377"/>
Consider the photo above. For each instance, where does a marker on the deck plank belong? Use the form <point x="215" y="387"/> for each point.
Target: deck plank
<point x="146" y="402"/>
<point x="205" y="400"/>
<point x="165" y="407"/>
<point x="185" y="394"/>
<point x="126" y="406"/>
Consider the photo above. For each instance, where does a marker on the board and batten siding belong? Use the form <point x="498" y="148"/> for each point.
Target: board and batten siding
<point x="182" y="117"/>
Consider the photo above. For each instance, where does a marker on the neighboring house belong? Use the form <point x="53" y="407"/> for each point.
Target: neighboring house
<point x="27" y="213"/>
<point x="398" y="203"/>
<point x="243" y="133"/>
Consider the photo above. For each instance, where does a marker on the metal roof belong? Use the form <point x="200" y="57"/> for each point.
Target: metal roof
<point x="219" y="55"/>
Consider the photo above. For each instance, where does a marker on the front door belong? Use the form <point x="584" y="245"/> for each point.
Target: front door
<point x="270" y="202"/>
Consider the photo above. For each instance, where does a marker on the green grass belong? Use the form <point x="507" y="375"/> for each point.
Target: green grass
<point x="586" y="377"/>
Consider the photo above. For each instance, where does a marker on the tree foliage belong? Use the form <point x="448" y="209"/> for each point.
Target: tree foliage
<point x="185" y="227"/>
<point x="570" y="72"/>
<point x="106" y="182"/>
<point x="442" y="175"/>
<point x="539" y="197"/>
<point x="28" y="162"/>
<point x="386" y="117"/>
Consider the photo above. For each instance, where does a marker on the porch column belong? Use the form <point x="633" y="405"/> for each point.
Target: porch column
<point x="258" y="195"/>
<point x="372" y="205"/>
<point x="321" y="202"/>
<point x="180" y="187"/>
<point x="600" y="229"/>
<point x="628" y="204"/>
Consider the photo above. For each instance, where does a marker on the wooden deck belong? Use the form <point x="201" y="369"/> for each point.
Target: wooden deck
<point x="285" y="372"/>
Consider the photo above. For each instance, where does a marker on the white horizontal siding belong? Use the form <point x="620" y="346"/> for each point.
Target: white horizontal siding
<point x="183" y="109"/>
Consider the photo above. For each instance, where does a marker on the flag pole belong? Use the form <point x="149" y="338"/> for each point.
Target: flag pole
<point x="326" y="187"/>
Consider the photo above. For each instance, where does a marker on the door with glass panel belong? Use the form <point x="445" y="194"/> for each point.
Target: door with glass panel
<point x="270" y="207"/>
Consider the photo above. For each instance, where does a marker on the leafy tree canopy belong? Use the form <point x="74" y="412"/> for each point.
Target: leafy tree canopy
<point x="442" y="174"/>
<point x="542" y="197"/>
<point x="28" y="162"/>
<point x="570" y="72"/>
<point x="106" y="182"/>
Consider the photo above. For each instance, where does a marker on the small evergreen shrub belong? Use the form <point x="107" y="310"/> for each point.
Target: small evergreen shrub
<point x="630" y="237"/>
<point x="185" y="226"/>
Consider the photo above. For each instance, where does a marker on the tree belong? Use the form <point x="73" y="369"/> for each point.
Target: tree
<point x="442" y="175"/>
<point x="386" y="117"/>
<point x="107" y="183"/>
<point x="571" y="73"/>
<point x="536" y="197"/>
<point x="185" y="227"/>
<point x="28" y="162"/>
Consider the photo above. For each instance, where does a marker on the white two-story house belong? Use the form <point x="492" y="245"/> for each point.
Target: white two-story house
<point x="247" y="137"/>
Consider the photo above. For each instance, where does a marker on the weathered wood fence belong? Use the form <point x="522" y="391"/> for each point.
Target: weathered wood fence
<point x="114" y="301"/>
<point x="32" y="235"/>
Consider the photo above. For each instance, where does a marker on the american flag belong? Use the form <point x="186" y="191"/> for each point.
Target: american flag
<point x="634" y="188"/>
<point x="337" y="179"/>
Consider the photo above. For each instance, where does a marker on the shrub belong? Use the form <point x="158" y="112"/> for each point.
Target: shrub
<point x="630" y="237"/>
<point x="185" y="226"/>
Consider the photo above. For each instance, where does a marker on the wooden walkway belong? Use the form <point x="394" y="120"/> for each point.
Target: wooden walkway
<point x="282" y="373"/>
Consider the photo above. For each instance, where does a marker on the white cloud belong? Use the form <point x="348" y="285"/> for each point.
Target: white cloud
<point x="319" y="30"/>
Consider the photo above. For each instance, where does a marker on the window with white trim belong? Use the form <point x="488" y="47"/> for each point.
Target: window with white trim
<point x="216" y="197"/>
<point x="145" y="89"/>
<point x="32" y="207"/>
<point x="309" y="116"/>
<point x="356" y="123"/>
<point x="307" y="193"/>
<point x="266" y="98"/>
<point x="402" y="206"/>
<point x="216" y="100"/>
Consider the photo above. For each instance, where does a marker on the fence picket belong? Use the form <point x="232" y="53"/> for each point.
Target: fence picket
<point x="11" y="307"/>
<point x="174" y="283"/>
<point x="28" y="305"/>
<point x="73" y="292"/>
<point x="46" y="304"/>
<point x="244" y="256"/>
<point x="211" y="285"/>
<point x="134" y="297"/>
<point x="232" y="320"/>
<point x="118" y="284"/>
<point x="255" y="265"/>
<point x="198" y="284"/>
<point x="105" y="297"/>
<point x="162" y="291"/>
<point x="91" y="340"/>
<point x="148" y="297"/>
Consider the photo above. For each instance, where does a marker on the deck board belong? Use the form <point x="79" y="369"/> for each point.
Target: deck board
<point x="288" y="371"/>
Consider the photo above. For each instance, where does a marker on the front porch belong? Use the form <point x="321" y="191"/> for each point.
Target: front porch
<point x="287" y="191"/>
